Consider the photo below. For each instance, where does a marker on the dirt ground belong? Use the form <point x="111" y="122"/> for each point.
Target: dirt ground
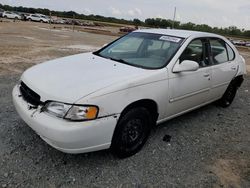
<point x="23" y="44"/>
<point x="209" y="147"/>
<point x="245" y="52"/>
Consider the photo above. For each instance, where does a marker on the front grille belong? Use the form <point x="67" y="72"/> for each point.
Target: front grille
<point x="29" y="95"/>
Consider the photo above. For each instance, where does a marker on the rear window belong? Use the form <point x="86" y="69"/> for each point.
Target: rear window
<point x="219" y="51"/>
<point x="230" y="52"/>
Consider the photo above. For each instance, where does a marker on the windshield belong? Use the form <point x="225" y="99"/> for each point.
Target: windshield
<point x="144" y="50"/>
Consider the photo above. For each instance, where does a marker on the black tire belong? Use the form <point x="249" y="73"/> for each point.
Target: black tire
<point x="132" y="132"/>
<point x="228" y="96"/>
<point x="5" y="16"/>
<point x="29" y="19"/>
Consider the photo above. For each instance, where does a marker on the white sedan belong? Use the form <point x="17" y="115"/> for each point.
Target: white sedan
<point x="11" y="15"/>
<point x="111" y="98"/>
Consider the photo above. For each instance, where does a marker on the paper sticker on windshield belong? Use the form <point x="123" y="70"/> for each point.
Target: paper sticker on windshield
<point x="170" y="39"/>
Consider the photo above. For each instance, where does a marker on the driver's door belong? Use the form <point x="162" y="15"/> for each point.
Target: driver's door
<point x="190" y="89"/>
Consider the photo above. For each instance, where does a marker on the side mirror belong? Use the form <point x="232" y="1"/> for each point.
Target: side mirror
<point x="185" y="66"/>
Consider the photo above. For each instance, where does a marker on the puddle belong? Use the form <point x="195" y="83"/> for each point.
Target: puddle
<point x="49" y="29"/>
<point x="29" y="38"/>
<point x="83" y="47"/>
<point x="63" y="36"/>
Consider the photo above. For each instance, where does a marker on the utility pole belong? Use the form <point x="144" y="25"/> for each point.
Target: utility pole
<point x="73" y="23"/>
<point x="50" y="19"/>
<point x="174" y="17"/>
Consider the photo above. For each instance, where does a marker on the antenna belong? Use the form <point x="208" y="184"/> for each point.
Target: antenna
<point x="174" y="17"/>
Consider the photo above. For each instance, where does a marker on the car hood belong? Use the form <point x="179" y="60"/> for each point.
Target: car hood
<point x="71" y="78"/>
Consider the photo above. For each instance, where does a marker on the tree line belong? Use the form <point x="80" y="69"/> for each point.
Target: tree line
<point x="149" y="22"/>
<point x="228" y="31"/>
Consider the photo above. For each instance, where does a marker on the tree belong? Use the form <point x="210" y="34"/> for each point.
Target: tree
<point x="137" y="22"/>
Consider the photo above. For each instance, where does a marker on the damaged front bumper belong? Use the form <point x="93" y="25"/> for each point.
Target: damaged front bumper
<point x="64" y="135"/>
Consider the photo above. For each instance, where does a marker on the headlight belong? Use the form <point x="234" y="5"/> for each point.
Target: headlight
<point x="71" y="112"/>
<point x="57" y="109"/>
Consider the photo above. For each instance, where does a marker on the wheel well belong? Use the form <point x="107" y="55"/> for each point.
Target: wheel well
<point x="149" y="104"/>
<point x="238" y="80"/>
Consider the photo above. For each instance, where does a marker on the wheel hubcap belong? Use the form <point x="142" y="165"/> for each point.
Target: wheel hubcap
<point x="132" y="132"/>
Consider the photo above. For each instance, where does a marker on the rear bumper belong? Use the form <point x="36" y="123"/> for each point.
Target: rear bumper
<point x="67" y="136"/>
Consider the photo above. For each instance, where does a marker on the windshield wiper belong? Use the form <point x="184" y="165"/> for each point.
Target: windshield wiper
<point x="124" y="62"/>
<point x="119" y="60"/>
<point x="111" y="58"/>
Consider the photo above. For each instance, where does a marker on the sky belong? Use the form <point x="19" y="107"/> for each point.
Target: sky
<point x="219" y="13"/>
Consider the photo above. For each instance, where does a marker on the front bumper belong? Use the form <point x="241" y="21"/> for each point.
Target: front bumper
<point x="64" y="135"/>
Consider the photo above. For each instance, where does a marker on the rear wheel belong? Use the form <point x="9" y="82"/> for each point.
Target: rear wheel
<point x="228" y="96"/>
<point x="131" y="132"/>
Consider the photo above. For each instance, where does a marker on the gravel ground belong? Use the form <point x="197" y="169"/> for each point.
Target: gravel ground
<point x="209" y="147"/>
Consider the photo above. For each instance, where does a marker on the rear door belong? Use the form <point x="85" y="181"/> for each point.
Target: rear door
<point x="224" y="66"/>
<point x="10" y="15"/>
<point x="35" y="18"/>
<point x="191" y="89"/>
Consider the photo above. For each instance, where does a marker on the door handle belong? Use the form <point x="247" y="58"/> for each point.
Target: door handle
<point x="206" y="75"/>
<point x="233" y="68"/>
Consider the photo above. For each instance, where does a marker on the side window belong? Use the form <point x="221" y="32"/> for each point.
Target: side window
<point x="219" y="51"/>
<point x="230" y="52"/>
<point x="195" y="52"/>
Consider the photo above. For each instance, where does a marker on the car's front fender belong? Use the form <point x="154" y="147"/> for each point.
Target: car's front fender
<point x="114" y="102"/>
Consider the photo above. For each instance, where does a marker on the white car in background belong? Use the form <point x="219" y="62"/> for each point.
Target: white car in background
<point x="239" y="43"/>
<point x="11" y="15"/>
<point x="59" y="21"/>
<point x="111" y="98"/>
<point x="38" y="18"/>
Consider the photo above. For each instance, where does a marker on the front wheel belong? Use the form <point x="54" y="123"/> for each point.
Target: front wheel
<point x="228" y="96"/>
<point x="132" y="132"/>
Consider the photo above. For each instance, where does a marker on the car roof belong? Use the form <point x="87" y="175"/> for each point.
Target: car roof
<point x="178" y="33"/>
